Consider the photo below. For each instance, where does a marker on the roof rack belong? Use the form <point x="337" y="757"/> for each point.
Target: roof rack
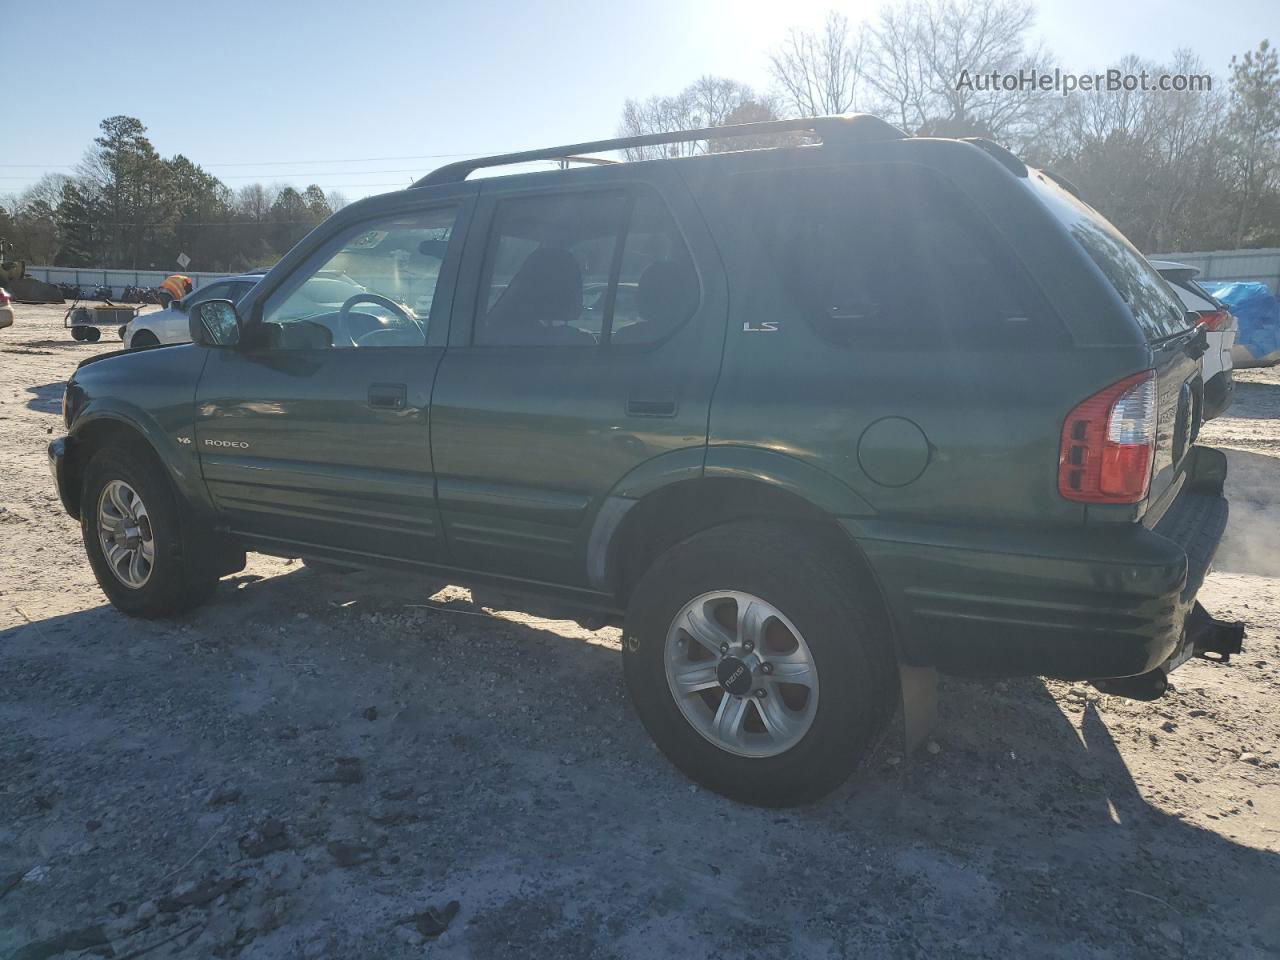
<point x="847" y="128"/>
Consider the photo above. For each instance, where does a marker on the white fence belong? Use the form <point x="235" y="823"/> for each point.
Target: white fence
<point x="86" y="279"/>
<point x="1229" y="266"/>
<point x="1225" y="266"/>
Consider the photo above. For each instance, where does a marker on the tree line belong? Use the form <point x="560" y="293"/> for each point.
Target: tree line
<point x="125" y="206"/>
<point x="1174" y="170"/>
<point x="1192" y="169"/>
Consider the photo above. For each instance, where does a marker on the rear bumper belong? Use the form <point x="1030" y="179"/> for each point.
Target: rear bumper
<point x="1089" y="602"/>
<point x="1219" y="391"/>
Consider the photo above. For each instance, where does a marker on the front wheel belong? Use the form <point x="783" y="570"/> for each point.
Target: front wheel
<point x="132" y="535"/>
<point x="143" y="338"/>
<point x="759" y="663"/>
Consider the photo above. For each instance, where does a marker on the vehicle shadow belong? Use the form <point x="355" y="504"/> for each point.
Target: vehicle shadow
<point x="1254" y="400"/>
<point x="67" y="343"/>
<point x="1038" y="791"/>
<point x="47" y="397"/>
<point x="1251" y="543"/>
<point x="1021" y="836"/>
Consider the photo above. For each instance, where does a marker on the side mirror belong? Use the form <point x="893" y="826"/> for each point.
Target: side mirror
<point x="214" y="323"/>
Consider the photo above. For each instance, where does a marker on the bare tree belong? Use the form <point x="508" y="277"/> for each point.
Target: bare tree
<point x="254" y="201"/>
<point x="707" y="102"/>
<point x="925" y="54"/>
<point x="896" y="71"/>
<point x="817" y="72"/>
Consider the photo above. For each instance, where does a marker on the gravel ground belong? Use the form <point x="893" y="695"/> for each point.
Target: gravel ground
<point x="328" y="766"/>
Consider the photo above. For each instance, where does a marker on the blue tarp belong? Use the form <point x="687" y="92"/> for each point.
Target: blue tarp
<point x="1258" y="312"/>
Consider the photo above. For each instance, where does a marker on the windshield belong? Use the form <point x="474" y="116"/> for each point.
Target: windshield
<point x="1153" y="302"/>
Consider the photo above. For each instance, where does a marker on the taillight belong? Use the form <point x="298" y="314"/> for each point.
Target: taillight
<point x="1107" y="441"/>
<point x="4" y="297"/>
<point x="1215" y="320"/>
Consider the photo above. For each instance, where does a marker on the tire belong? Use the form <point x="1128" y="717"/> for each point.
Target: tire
<point x="92" y="334"/>
<point x="173" y="583"/>
<point x="143" y="338"/>
<point x="842" y="631"/>
<point x="78" y="333"/>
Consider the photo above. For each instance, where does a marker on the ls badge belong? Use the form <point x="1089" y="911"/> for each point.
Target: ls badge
<point x="764" y="326"/>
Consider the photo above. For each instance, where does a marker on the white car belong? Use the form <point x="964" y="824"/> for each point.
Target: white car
<point x="170" y="324"/>
<point x="1221" y="329"/>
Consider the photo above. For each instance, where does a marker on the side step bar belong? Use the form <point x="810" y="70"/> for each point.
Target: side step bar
<point x="1204" y="636"/>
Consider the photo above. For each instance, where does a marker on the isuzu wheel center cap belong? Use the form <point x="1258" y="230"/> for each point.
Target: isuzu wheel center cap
<point x="734" y="676"/>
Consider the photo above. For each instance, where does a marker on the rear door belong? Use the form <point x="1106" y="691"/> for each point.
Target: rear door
<point x="589" y="344"/>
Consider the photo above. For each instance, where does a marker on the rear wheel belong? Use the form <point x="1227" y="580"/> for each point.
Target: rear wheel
<point x="759" y="663"/>
<point x="78" y="333"/>
<point x="143" y="338"/>
<point x="92" y="334"/>
<point x="132" y="535"/>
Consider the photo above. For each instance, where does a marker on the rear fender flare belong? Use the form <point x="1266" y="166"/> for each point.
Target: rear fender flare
<point x="769" y="467"/>
<point x="824" y="491"/>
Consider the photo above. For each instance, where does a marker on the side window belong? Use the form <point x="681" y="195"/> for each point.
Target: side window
<point x="884" y="256"/>
<point x="373" y="286"/>
<point x="584" y="269"/>
<point x="220" y="290"/>
<point x="547" y="269"/>
<point x="657" y="284"/>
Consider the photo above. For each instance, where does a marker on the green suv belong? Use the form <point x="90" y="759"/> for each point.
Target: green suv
<point x="819" y="419"/>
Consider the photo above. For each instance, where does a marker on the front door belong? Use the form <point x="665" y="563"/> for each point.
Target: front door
<point x="594" y="343"/>
<point x="314" y="431"/>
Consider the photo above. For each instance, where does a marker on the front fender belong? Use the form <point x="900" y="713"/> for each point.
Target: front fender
<point x="172" y="445"/>
<point x="151" y="392"/>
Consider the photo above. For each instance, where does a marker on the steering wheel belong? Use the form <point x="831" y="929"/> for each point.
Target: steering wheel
<point x="345" y="311"/>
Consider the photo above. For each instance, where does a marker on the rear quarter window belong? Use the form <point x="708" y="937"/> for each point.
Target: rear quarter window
<point x="883" y="255"/>
<point x="1154" y="304"/>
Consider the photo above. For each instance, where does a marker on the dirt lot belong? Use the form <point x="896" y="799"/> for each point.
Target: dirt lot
<point x="321" y="766"/>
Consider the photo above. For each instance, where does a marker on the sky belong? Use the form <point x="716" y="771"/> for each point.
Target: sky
<point x="364" y="97"/>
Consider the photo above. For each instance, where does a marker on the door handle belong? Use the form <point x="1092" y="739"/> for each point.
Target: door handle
<point x="388" y="396"/>
<point x="650" y="408"/>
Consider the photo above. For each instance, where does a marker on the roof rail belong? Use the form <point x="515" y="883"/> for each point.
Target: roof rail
<point x="589" y="161"/>
<point x="1063" y="182"/>
<point x="1006" y="157"/>
<point x="847" y="128"/>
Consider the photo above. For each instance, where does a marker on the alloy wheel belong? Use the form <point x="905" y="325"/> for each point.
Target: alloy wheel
<point x="124" y="531"/>
<point x="741" y="673"/>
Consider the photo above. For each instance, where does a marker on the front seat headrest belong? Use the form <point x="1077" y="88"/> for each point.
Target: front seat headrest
<point x="545" y="291"/>
<point x="666" y="296"/>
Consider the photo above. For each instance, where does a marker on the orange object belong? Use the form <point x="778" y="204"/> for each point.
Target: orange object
<point x="177" y="285"/>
